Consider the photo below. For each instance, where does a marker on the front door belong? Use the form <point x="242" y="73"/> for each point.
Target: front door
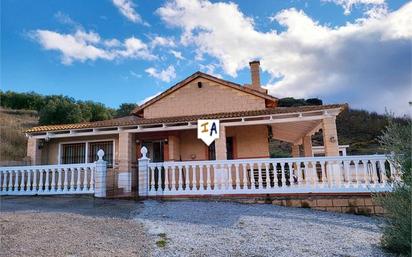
<point x="155" y="150"/>
<point x="229" y="148"/>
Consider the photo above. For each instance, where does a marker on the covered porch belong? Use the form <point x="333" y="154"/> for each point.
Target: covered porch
<point x="243" y="137"/>
<point x="174" y="159"/>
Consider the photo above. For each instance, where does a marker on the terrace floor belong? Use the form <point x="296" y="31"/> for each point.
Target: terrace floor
<point x="84" y="226"/>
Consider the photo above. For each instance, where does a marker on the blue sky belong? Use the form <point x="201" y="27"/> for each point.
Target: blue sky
<point x="354" y="51"/>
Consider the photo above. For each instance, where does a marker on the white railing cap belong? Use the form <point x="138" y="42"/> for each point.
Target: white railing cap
<point x="274" y="160"/>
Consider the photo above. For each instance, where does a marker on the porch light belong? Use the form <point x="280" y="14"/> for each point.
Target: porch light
<point x="41" y="144"/>
<point x="332" y="139"/>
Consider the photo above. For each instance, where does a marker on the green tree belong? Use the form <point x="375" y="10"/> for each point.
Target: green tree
<point x="125" y="109"/>
<point x="292" y="102"/>
<point x="28" y="101"/>
<point x="314" y="101"/>
<point x="98" y="111"/>
<point x="397" y="140"/>
<point x="60" y="110"/>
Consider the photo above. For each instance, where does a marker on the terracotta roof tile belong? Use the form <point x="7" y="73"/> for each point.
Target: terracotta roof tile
<point x="135" y="120"/>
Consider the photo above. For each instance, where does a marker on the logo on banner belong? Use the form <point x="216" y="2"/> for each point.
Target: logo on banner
<point x="208" y="130"/>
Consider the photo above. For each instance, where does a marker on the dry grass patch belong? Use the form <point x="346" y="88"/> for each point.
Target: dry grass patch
<point x="13" y="141"/>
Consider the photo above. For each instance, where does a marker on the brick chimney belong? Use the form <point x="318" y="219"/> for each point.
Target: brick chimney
<point x="255" y="74"/>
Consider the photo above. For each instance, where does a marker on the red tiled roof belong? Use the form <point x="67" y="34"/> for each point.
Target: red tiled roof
<point x="135" y="120"/>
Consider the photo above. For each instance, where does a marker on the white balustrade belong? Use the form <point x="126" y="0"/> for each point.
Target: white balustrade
<point x="47" y="179"/>
<point x="341" y="174"/>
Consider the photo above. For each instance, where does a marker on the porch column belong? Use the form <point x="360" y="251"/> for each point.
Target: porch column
<point x="100" y="176"/>
<point x="330" y="136"/>
<point x="174" y="148"/>
<point x="143" y="173"/>
<point x="307" y="146"/>
<point x="127" y="156"/>
<point x="220" y="144"/>
<point x="33" y="151"/>
<point x="295" y="151"/>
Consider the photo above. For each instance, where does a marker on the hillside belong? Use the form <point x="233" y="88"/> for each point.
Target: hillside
<point x="13" y="141"/>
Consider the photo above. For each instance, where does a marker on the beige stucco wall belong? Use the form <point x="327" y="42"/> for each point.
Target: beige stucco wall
<point x="33" y="151"/>
<point x="211" y="98"/>
<point x="190" y="145"/>
<point x="50" y="149"/>
<point x="250" y="141"/>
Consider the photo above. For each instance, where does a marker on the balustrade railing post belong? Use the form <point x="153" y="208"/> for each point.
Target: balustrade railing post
<point x="143" y="173"/>
<point x="100" y="175"/>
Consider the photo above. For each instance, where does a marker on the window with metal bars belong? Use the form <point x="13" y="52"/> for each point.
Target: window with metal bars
<point x="73" y="153"/>
<point x="106" y="146"/>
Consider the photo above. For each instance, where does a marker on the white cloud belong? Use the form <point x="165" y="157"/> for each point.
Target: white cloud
<point x="210" y="69"/>
<point x="149" y="98"/>
<point x="126" y="7"/>
<point x="166" y="75"/>
<point x="112" y="42"/>
<point x="135" y="48"/>
<point x="162" y="41"/>
<point x="177" y="54"/>
<point x="83" y="46"/>
<point x="347" y="5"/>
<point x="366" y="63"/>
<point x="71" y="46"/>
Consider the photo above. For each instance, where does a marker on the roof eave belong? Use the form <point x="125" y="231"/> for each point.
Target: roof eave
<point x="328" y="109"/>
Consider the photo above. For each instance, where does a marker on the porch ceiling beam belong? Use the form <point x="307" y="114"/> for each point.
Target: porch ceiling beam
<point x="296" y="127"/>
<point x="313" y="131"/>
<point x="286" y="132"/>
<point x="285" y="138"/>
<point x="274" y="121"/>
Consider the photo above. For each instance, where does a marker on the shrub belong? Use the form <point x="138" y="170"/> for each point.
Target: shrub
<point x="396" y="237"/>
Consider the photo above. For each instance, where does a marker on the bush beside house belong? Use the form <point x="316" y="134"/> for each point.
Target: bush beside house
<point x="397" y="235"/>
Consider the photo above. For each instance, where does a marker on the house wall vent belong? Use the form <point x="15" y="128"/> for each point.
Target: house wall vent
<point x="199" y="84"/>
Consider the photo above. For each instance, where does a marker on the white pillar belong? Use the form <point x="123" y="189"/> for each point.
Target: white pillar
<point x="143" y="173"/>
<point x="100" y="175"/>
<point x="330" y="141"/>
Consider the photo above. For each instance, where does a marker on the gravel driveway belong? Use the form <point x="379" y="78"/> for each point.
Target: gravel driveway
<point x="83" y="226"/>
<point x="232" y="229"/>
<point x="71" y="226"/>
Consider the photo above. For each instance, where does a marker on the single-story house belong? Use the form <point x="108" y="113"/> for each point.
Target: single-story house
<point x="167" y="126"/>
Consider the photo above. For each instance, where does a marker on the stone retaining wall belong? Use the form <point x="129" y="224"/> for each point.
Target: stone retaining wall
<point x="363" y="204"/>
